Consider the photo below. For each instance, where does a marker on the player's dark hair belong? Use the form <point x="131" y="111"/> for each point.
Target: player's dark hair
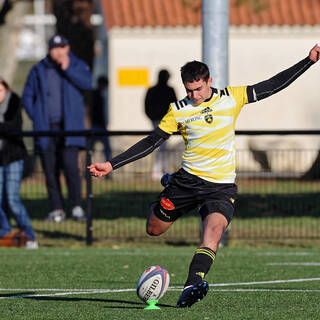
<point x="194" y="71"/>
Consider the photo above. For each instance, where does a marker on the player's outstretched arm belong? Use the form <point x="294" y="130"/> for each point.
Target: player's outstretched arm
<point x="100" y="169"/>
<point x="283" y="79"/>
<point x="137" y="151"/>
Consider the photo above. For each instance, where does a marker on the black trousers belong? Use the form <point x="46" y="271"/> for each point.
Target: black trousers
<point x="55" y="158"/>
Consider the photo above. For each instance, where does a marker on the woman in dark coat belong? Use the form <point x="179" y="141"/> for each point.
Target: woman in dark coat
<point x="12" y="154"/>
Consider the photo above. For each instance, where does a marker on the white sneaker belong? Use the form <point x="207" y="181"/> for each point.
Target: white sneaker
<point x="57" y="215"/>
<point x="32" y="244"/>
<point x="78" y="214"/>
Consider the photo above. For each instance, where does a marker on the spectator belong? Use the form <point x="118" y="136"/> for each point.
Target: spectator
<point x="157" y="101"/>
<point x="53" y="99"/>
<point x="12" y="154"/>
<point x="100" y="114"/>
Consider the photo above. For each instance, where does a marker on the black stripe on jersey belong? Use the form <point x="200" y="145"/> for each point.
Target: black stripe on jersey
<point x="180" y="104"/>
<point x="224" y="92"/>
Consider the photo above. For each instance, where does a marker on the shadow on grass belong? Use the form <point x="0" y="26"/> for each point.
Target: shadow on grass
<point x="137" y="305"/>
<point x="180" y="243"/>
<point x="59" y="235"/>
<point x="15" y="295"/>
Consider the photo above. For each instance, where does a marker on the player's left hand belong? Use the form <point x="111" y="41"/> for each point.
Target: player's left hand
<point x="314" y="54"/>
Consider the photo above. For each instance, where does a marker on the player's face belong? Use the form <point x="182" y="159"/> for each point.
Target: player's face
<point x="3" y="92"/>
<point x="198" y="91"/>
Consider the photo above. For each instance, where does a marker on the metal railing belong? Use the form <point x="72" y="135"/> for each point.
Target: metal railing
<point x="272" y="202"/>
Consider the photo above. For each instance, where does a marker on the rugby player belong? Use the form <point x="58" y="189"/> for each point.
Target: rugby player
<point x="206" y="119"/>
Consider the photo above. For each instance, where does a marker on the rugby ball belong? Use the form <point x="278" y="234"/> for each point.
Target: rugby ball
<point x="153" y="283"/>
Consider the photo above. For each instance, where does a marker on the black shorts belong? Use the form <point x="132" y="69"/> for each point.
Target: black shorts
<point x="187" y="191"/>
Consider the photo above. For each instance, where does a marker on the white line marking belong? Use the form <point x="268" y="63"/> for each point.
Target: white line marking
<point x="68" y="293"/>
<point x="44" y="289"/>
<point x="293" y="264"/>
<point x="171" y="289"/>
<point x="64" y="292"/>
<point x="262" y="282"/>
<point x="267" y="290"/>
<point x="286" y="253"/>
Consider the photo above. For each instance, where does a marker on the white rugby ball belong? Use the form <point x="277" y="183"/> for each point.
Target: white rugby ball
<point x="153" y="283"/>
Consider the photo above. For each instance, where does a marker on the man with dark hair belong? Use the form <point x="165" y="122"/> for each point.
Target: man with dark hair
<point x="206" y="119"/>
<point x="194" y="70"/>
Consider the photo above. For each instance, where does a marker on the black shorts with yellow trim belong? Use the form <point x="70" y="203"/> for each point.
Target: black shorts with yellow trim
<point x="186" y="192"/>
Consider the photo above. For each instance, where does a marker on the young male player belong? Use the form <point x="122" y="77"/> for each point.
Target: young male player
<point x="206" y="119"/>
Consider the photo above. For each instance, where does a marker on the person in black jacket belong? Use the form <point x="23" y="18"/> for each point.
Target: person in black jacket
<point x="157" y="101"/>
<point x="12" y="154"/>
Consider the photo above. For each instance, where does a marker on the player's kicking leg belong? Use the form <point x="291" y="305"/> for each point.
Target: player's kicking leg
<point x="196" y="288"/>
<point x="162" y="213"/>
<point x="155" y="226"/>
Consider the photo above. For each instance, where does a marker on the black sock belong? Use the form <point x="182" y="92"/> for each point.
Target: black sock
<point x="200" y="265"/>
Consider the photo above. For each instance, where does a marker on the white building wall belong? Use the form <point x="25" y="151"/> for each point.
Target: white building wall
<point x="255" y="54"/>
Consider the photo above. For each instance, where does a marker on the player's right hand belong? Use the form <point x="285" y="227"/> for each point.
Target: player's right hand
<point x="314" y="54"/>
<point x="100" y="169"/>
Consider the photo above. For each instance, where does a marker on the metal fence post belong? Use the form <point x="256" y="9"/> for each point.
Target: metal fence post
<point x="89" y="192"/>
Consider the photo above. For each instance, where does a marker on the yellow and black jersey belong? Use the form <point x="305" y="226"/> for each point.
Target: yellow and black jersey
<point x="208" y="130"/>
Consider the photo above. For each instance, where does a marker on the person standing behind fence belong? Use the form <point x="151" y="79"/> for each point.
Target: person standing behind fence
<point x="53" y="99"/>
<point x="157" y="101"/>
<point x="100" y="114"/>
<point x="12" y="155"/>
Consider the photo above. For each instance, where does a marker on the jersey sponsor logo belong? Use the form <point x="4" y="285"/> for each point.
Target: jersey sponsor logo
<point x="195" y="118"/>
<point x="208" y="118"/>
<point x="166" y="204"/>
<point x="206" y="110"/>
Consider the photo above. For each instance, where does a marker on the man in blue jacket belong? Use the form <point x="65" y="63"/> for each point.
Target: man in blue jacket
<point x="53" y="99"/>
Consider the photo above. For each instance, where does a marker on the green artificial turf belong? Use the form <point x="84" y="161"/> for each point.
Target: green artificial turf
<point x="59" y="283"/>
